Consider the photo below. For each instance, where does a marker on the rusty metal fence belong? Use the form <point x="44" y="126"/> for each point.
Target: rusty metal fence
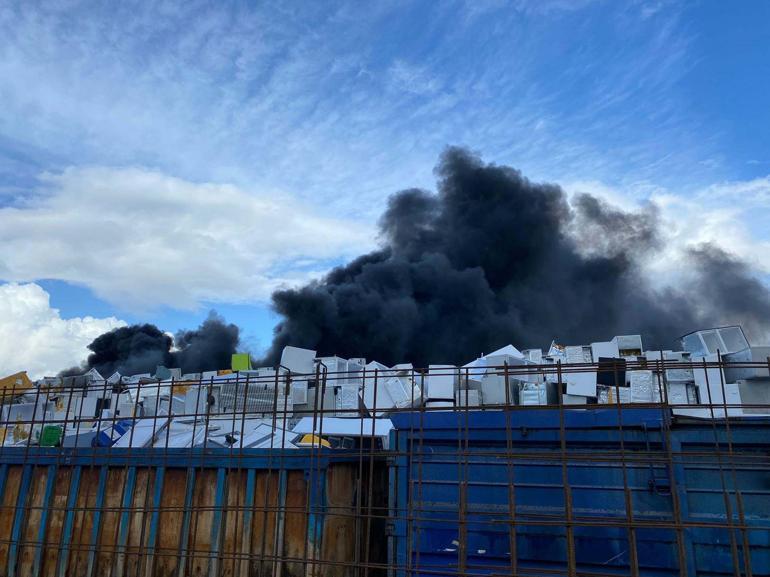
<point x="371" y="473"/>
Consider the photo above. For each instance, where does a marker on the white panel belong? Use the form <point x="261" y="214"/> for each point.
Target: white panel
<point x="574" y="400"/>
<point x="578" y="354"/>
<point x="299" y="392"/>
<point x="613" y="395"/>
<point x="583" y="384"/>
<point x="493" y="390"/>
<point x="142" y="433"/>
<point x="403" y="367"/>
<point x="642" y="383"/>
<point x="347" y="400"/>
<point x="346" y="427"/>
<point x="678" y="374"/>
<point x="628" y="342"/>
<point x="439" y="404"/>
<point x="533" y="395"/>
<point x="400" y="391"/>
<point x="677" y="394"/>
<point x="607" y="349"/>
<point x="195" y="401"/>
<point x="534" y="355"/>
<point x="708" y="381"/>
<point x="441" y="381"/>
<point x="467" y="398"/>
<point x="508" y="350"/>
<point x="298" y="360"/>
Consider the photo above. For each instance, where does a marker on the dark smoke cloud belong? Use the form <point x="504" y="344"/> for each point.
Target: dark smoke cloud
<point x="141" y="348"/>
<point x="209" y="347"/>
<point x="494" y="258"/>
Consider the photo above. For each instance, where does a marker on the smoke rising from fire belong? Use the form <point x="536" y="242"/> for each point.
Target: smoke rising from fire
<point x="493" y="258"/>
<point x="140" y="349"/>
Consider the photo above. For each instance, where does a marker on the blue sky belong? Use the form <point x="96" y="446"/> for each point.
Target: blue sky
<point x="158" y="160"/>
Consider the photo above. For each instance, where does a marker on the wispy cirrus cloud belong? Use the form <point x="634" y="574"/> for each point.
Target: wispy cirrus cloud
<point x="300" y="100"/>
<point x="316" y="113"/>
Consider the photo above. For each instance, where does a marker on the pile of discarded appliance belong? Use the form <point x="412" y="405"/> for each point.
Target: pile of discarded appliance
<point x="311" y="401"/>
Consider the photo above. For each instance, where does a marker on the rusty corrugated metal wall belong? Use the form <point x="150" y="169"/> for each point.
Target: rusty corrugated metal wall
<point x="166" y="521"/>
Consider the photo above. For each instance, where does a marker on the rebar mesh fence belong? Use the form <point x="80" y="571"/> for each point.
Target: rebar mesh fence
<point x="444" y="471"/>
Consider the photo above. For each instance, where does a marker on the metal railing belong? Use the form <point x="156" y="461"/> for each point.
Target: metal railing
<point x="247" y="474"/>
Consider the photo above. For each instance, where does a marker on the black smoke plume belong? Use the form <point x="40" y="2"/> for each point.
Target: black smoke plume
<point x="141" y="348"/>
<point x="494" y="258"/>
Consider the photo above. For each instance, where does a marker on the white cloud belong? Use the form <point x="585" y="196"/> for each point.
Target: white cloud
<point x="720" y="214"/>
<point x="305" y="100"/>
<point x="141" y="239"/>
<point x="34" y="337"/>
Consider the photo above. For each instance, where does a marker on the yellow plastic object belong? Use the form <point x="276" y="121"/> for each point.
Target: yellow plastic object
<point x="310" y="440"/>
<point x="241" y="362"/>
<point x="15" y="384"/>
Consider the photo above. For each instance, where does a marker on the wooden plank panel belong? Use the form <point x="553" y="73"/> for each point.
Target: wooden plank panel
<point x="83" y="523"/>
<point x="29" y="533"/>
<point x="139" y="521"/>
<point x="108" y="536"/>
<point x="339" y="539"/>
<point x="58" y="508"/>
<point x="170" y="523"/>
<point x="263" y="524"/>
<point x="233" y="523"/>
<point x="200" y="530"/>
<point x="295" y="546"/>
<point x="7" y="513"/>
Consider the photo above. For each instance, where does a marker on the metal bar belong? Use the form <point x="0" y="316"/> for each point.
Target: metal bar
<point x="50" y="483"/>
<point x="248" y="515"/>
<point x="184" y="537"/>
<point x="216" y="522"/>
<point x="279" y="522"/>
<point x="511" y="478"/>
<point x="125" y="520"/>
<point x="736" y="488"/>
<point x="571" y="563"/>
<point x="155" y="516"/>
<point x="19" y="518"/>
<point x="69" y="520"/>
<point x="97" y="521"/>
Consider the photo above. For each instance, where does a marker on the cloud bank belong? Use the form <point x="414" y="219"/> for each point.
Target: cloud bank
<point x="34" y="337"/>
<point x="140" y="239"/>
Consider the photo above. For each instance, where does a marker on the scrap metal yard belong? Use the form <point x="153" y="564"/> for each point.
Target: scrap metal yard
<point x="596" y="459"/>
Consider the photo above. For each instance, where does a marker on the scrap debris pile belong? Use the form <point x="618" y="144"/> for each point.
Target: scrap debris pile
<point x="311" y="401"/>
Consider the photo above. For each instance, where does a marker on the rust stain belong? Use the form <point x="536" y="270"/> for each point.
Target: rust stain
<point x="8" y="511"/>
<point x="83" y="522"/>
<point x="295" y="544"/>
<point x="32" y="519"/>
<point x="256" y="552"/>
<point x="200" y="522"/>
<point x="170" y="523"/>
<point x="263" y="524"/>
<point x="58" y="507"/>
<point x="108" y="536"/>
<point x="338" y="540"/>
<point x="139" y="520"/>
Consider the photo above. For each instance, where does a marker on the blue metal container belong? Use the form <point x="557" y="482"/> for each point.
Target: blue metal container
<point x="596" y="491"/>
